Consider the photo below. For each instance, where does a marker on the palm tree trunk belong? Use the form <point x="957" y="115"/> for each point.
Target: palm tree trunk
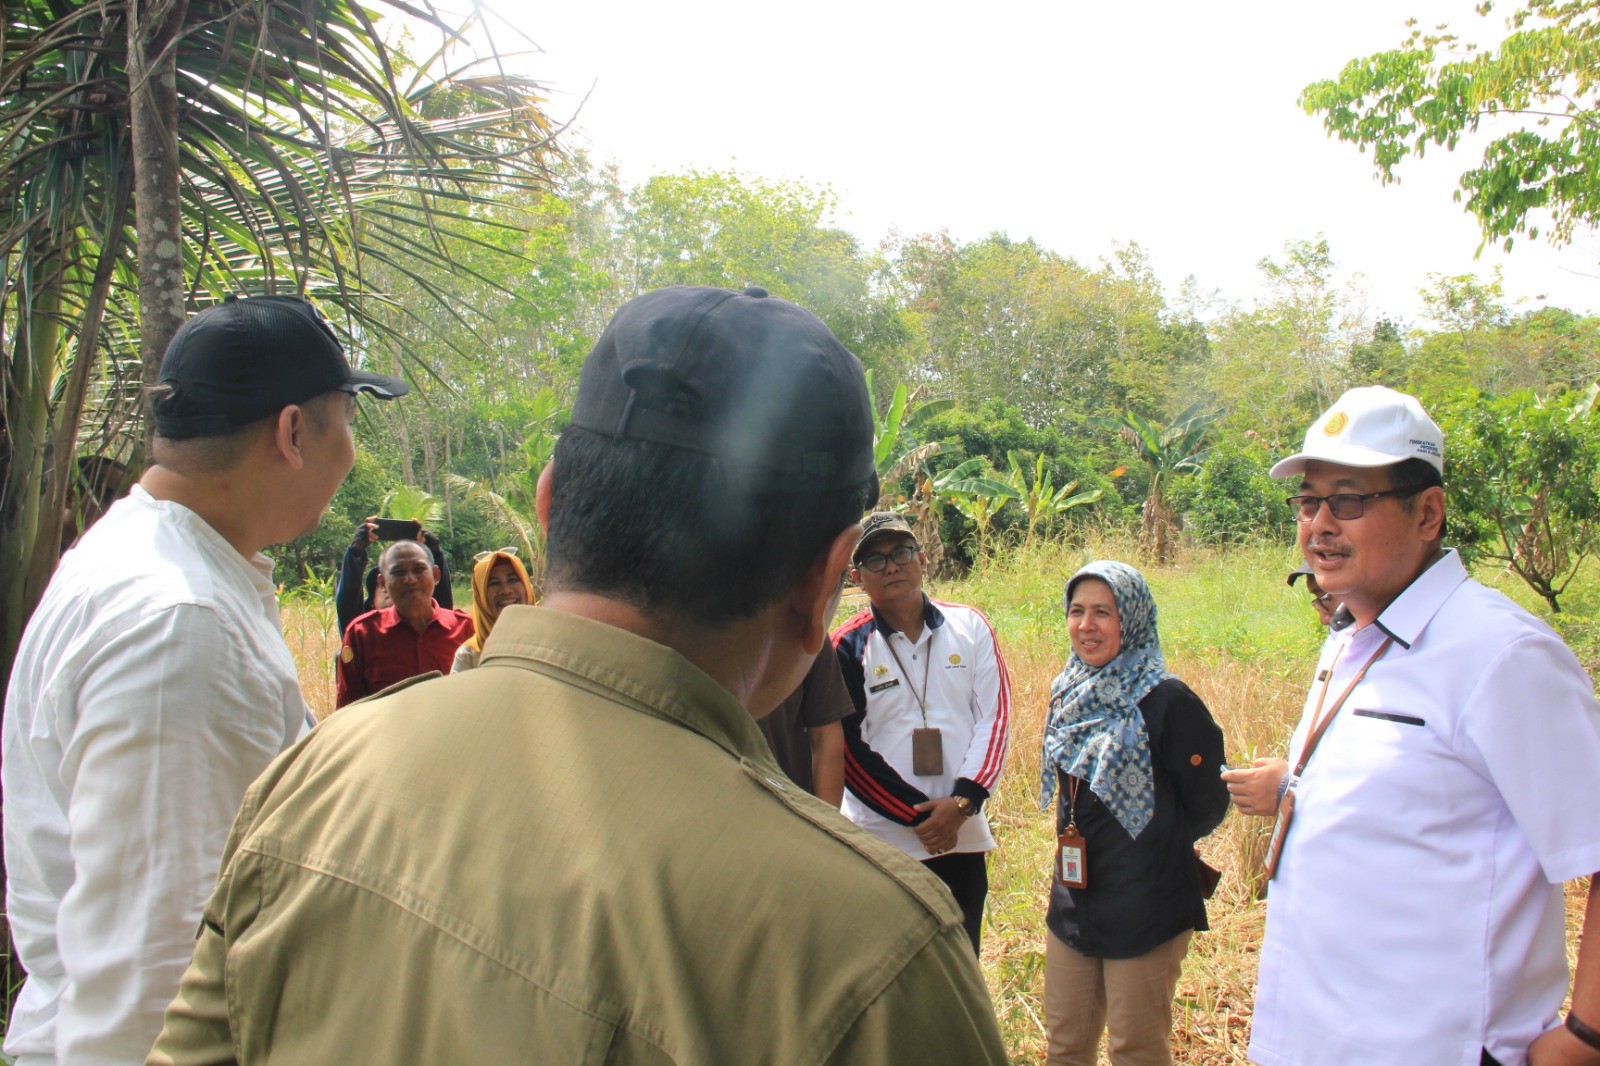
<point x="153" y="104"/>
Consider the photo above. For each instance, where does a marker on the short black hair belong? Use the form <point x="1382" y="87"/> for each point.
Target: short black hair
<point x="1417" y="474"/>
<point x="671" y="531"/>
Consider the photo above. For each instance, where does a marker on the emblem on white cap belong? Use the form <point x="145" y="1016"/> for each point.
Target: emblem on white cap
<point x="1369" y="426"/>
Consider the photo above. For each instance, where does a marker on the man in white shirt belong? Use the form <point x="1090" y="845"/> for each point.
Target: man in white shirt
<point x="1440" y="791"/>
<point x="153" y="684"/>
<point x="927" y="742"/>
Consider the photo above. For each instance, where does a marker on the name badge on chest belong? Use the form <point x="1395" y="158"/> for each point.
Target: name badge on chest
<point x="927" y="752"/>
<point x="1072" y="858"/>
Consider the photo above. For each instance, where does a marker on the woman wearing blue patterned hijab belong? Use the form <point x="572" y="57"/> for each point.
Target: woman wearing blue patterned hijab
<point x="1133" y="757"/>
<point x="1095" y="731"/>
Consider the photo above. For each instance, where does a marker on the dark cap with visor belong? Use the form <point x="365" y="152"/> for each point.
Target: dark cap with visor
<point x="879" y="522"/>
<point x="248" y="358"/>
<point x="742" y="376"/>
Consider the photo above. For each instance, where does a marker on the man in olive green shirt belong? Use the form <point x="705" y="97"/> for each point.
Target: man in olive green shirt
<point x="584" y="852"/>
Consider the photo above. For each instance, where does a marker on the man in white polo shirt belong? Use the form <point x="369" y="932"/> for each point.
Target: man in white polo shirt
<point x="928" y="739"/>
<point x="1437" y="791"/>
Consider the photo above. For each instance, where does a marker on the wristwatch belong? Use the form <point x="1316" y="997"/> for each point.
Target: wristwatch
<point x="966" y="806"/>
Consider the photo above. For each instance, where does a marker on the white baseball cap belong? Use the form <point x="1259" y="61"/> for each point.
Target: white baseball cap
<point x="1369" y="426"/>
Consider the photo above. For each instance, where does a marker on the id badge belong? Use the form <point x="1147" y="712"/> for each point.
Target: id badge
<point x="1072" y="858"/>
<point x="1280" y="830"/>
<point x="927" y="752"/>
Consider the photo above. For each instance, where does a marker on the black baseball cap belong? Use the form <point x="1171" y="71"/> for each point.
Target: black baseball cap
<point x="248" y="358"/>
<point x="1303" y="570"/>
<point x="881" y="522"/>
<point x="751" y="379"/>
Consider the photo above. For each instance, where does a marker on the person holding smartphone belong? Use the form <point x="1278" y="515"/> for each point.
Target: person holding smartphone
<point x="355" y="595"/>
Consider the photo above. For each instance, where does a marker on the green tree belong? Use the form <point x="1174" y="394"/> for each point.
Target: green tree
<point x="726" y="229"/>
<point x="1275" y="366"/>
<point x="510" y="497"/>
<point x="532" y="290"/>
<point x="1524" y="485"/>
<point x="1437" y="88"/>
<point x="1003" y="318"/>
<point x="1383" y="358"/>
<point x="1486" y="347"/>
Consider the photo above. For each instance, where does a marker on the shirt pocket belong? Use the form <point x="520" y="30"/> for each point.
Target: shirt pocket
<point x="1397" y="717"/>
<point x="1393" y="759"/>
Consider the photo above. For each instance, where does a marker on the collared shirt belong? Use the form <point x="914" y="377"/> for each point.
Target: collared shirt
<point x="1417" y="915"/>
<point x="592" y="859"/>
<point x="151" y="687"/>
<point x="381" y="649"/>
<point x="957" y="659"/>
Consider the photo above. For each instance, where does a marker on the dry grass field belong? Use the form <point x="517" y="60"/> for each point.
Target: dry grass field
<point x="1231" y="630"/>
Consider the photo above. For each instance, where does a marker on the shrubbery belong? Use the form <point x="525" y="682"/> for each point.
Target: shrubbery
<point x="1232" y="500"/>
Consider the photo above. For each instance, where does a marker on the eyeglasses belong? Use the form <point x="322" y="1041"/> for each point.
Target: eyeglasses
<point x="1344" y="505"/>
<point x="481" y="556"/>
<point x="877" y="561"/>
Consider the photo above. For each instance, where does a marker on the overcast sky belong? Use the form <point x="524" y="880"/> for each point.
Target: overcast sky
<point x="1172" y="124"/>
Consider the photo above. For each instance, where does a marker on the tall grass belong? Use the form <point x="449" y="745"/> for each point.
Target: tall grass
<point x="311" y="629"/>
<point x="1234" y="632"/>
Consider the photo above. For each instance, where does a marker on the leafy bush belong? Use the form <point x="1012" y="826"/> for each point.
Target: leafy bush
<point x="1232" y="500"/>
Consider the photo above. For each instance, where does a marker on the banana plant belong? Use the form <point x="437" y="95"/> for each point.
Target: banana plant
<point x="1039" y="496"/>
<point x="974" y="494"/>
<point x="896" y="448"/>
<point x="1180" y="447"/>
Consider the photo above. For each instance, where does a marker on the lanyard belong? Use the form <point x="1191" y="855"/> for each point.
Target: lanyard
<point x="1320" y="721"/>
<point x="1072" y="802"/>
<point x="927" y="666"/>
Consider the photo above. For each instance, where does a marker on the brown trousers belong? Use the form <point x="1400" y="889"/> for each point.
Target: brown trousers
<point x="1083" y="996"/>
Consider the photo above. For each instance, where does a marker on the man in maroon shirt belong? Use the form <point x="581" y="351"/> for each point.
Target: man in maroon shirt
<point x="411" y="636"/>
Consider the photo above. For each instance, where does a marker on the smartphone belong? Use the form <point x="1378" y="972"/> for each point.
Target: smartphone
<point x="397" y="528"/>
